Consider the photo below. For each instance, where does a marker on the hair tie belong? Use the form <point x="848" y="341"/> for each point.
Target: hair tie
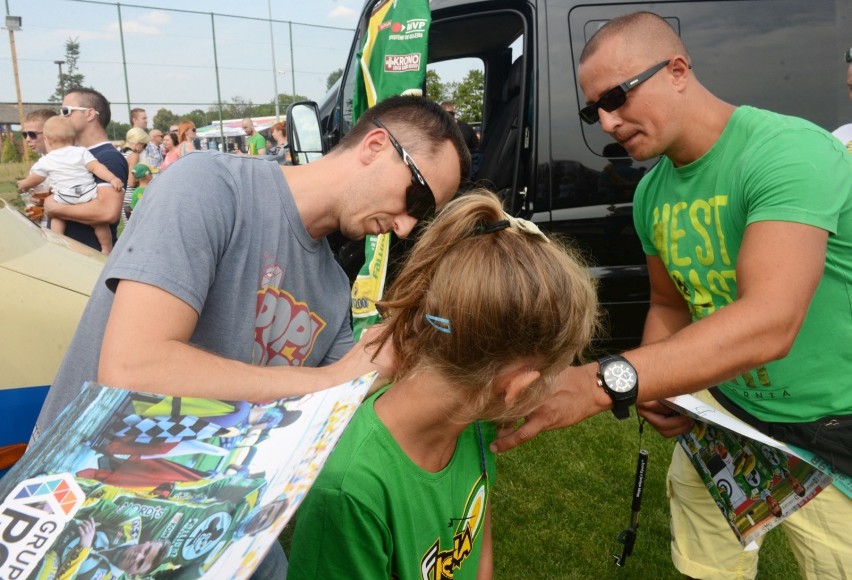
<point x="494" y="227"/>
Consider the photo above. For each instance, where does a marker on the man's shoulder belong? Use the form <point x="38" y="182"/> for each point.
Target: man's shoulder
<point x="766" y="123"/>
<point x="106" y="151"/>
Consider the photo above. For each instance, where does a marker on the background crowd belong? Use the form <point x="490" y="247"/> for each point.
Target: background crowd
<point x="145" y="154"/>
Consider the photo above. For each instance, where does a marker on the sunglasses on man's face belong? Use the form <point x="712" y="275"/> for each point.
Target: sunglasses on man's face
<point x="616" y="97"/>
<point x="419" y="199"/>
<point x="66" y="111"/>
<point x="31" y="134"/>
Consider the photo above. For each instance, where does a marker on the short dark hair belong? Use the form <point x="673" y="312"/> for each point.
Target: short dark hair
<point x="422" y="123"/>
<point x="94" y="99"/>
<point x="40" y="115"/>
<point x="136" y="112"/>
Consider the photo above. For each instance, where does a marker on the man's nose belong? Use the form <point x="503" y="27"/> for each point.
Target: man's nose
<point x="609" y="120"/>
<point x="403" y="225"/>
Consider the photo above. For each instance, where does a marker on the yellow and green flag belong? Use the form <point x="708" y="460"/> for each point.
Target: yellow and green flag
<point x="392" y="62"/>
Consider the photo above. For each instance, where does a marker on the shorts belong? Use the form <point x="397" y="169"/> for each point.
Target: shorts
<point x="81" y="194"/>
<point x="703" y="545"/>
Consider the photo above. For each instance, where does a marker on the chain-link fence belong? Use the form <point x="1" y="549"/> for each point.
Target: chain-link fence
<point x="180" y="60"/>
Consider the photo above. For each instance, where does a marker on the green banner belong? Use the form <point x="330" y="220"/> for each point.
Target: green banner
<point x="392" y="62"/>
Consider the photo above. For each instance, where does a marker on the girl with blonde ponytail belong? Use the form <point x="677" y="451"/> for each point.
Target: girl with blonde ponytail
<point x="483" y="314"/>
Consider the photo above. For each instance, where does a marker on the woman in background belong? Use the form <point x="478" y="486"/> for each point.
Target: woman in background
<point x="186" y="138"/>
<point x="280" y="150"/>
<point x="170" y="144"/>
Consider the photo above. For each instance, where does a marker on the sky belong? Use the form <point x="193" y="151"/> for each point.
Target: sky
<point x="170" y="57"/>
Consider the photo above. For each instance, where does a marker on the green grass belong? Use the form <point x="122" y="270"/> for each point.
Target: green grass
<point x="9" y="174"/>
<point x="562" y="499"/>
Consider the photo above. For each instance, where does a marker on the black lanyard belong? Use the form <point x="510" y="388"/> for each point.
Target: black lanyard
<point x="628" y="536"/>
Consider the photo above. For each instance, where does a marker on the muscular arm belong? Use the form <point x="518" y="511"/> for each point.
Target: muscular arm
<point x="778" y="269"/>
<point x="668" y="313"/>
<point x="105" y="209"/>
<point x="146" y="347"/>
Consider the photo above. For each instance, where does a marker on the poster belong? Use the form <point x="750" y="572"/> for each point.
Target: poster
<point x="130" y="484"/>
<point x="755" y="480"/>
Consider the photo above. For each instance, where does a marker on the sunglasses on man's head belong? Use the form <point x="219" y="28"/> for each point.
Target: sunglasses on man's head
<point x="66" y="111"/>
<point x="616" y="97"/>
<point x="31" y="134"/>
<point x="419" y="199"/>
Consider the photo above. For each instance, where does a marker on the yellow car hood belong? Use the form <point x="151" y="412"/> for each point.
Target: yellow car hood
<point x="38" y="253"/>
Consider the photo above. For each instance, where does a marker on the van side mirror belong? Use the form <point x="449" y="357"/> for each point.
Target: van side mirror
<point x="304" y="134"/>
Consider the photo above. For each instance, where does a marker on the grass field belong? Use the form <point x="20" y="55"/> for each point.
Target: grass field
<point x="561" y="500"/>
<point x="9" y="174"/>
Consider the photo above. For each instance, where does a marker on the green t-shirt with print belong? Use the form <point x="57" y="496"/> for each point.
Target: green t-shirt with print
<point x="374" y="513"/>
<point x="255" y="143"/>
<point x="764" y="167"/>
<point x="137" y="195"/>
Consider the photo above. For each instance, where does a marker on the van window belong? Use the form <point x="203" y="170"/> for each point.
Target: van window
<point x="504" y="155"/>
<point x="452" y="74"/>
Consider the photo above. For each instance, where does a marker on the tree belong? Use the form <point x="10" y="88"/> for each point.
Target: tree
<point x="198" y="117"/>
<point x="117" y="131"/>
<point x="332" y="78"/>
<point x="435" y="90"/>
<point x="285" y="101"/>
<point x="236" y="108"/>
<point x="10" y="153"/>
<point x="70" y="79"/>
<point x="165" y="119"/>
<point x="468" y="96"/>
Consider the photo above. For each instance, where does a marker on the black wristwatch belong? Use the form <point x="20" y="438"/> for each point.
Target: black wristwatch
<point x="619" y="379"/>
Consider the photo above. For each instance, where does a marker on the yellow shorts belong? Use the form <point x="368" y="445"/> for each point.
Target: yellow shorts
<point x="703" y="545"/>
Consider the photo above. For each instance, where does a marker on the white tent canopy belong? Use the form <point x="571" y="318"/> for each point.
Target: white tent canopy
<point x="234" y="127"/>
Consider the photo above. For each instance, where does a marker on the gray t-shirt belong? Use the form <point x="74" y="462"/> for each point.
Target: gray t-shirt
<point x="223" y="234"/>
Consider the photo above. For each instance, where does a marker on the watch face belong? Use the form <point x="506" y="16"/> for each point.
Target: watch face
<point x="619" y="376"/>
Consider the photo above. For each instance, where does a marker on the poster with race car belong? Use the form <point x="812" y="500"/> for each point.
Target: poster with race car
<point x="129" y="484"/>
<point x="755" y="480"/>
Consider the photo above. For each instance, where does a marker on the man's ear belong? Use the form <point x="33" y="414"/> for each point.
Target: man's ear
<point x="515" y="381"/>
<point x="372" y="144"/>
<point x="680" y="70"/>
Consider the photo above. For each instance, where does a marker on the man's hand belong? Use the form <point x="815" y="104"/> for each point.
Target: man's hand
<point x="117" y="184"/>
<point x="668" y="422"/>
<point x="366" y="357"/>
<point x="576" y="397"/>
<point x="49" y="205"/>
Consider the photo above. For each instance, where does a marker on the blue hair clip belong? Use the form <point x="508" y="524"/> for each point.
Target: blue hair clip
<point x="438" y="323"/>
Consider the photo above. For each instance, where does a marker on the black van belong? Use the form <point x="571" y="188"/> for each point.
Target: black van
<point x="782" y="55"/>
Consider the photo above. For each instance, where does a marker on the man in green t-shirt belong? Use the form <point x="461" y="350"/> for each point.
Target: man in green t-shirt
<point x="746" y="222"/>
<point x="255" y="142"/>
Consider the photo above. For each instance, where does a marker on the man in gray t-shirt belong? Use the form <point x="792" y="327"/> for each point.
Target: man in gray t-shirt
<point x="223" y="284"/>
